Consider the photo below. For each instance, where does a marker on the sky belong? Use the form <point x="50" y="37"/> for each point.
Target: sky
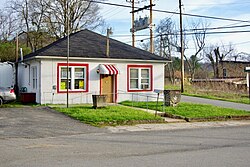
<point x="119" y="18"/>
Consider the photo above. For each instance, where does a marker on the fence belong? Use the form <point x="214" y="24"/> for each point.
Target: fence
<point x="86" y="98"/>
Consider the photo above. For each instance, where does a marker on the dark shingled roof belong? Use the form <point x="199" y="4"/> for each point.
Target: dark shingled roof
<point x="88" y="44"/>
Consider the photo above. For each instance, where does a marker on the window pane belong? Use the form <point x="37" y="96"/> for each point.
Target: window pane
<point x="134" y="83"/>
<point x="79" y="72"/>
<point x="145" y="73"/>
<point x="64" y="72"/>
<point x="145" y="81"/>
<point x="34" y="77"/>
<point x="79" y="84"/>
<point x="63" y="85"/>
<point x="144" y="86"/>
<point x="133" y="73"/>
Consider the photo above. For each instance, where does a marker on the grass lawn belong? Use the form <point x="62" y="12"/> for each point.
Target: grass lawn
<point x="110" y="115"/>
<point x="190" y="110"/>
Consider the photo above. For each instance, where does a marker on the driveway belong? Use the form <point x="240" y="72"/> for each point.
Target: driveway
<point x="219" y="103"/>
<point x="39" y="122"/>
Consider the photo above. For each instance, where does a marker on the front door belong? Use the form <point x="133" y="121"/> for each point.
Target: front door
<point x="107" y="87"/>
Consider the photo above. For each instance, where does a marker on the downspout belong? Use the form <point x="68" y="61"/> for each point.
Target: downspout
<point x="16" y="87"/>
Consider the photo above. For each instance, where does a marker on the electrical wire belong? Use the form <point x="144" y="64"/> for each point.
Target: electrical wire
<point x="216" y="28"/>
<point x="221" y="4"/>
<point x="170" y="12"/>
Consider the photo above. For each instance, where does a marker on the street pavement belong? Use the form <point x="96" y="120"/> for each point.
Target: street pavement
<point x="199" y="147"/>
<point x="41" y="137"/>
<point x="219" y="103"/>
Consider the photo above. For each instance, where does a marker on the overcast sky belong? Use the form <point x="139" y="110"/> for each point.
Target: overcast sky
<point x="119" y="19"/>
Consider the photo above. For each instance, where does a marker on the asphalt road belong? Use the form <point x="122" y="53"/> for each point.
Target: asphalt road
<point x="204" y="147"/>
<point x="215" y="102"/>
<point x="39" y="122"/>
<point x="41" y="137"/>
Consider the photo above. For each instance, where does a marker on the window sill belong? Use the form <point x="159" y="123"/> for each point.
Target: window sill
<point x="72" y="91"/>
<point x="140" y="90"/>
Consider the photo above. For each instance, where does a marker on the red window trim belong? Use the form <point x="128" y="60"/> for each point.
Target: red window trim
<point x="151" y="77"/>
<point x="72" y="65"/>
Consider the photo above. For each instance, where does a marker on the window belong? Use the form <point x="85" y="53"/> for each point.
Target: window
<point x="139" y="78"/>
<point x="224" y="73"/>
<point x="34" y="77"/>
<point x="77" y="77"/>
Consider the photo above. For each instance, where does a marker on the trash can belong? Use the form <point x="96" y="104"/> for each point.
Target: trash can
<point x="27" y="97"/>
<point x="172" y="97"/>
<point x="99" y="100"/>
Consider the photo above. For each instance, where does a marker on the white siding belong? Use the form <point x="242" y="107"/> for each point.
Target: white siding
<point x="25" y="78"/>
<point x="47" y="79"/>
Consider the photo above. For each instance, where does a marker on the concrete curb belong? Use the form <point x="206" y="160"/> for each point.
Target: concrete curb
<point x="177" y="126"/>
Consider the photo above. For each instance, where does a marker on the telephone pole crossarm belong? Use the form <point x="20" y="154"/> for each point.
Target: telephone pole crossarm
<point x="145" y="7"/>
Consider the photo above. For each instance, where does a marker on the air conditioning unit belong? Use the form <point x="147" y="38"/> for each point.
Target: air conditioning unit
<point x="144" y="86"/>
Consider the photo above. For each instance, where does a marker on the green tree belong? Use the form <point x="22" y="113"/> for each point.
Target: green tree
<point x="8" y="51"/>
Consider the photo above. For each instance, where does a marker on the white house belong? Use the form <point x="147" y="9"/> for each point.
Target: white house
<point x="126" y="71"/>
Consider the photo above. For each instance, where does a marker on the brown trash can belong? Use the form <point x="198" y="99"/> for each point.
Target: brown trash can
<point x="172" y="97"/>
<point x="99" y="101"/>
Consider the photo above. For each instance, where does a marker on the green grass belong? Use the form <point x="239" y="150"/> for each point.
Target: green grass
<point x="110" y="115"/>
<point x="17" y="104"/>
<point x="172" y="87"/>
<point x="190" y="110"/>
<point x="12" y="105"/>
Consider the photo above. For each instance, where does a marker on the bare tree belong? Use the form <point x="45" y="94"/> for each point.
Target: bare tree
<point x="81" y="14"/>
<point x="167" y="43"/>
<point x="41" y="19"/>
<point x="7" y="25"/>
<point x="214" y="55"/>
<point x="21" y="10"/>
<point x="199" y="31"/>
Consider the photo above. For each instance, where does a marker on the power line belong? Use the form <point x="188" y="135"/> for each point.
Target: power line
<point x="219" y="32"/>
<point x="212" y="4"/>
<point x="215" y="28"/>
<point x="170" y="12"/>
<point x="191" y="33"/>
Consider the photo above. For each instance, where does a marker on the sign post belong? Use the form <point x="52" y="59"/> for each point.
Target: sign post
<point x="247" y="69"/>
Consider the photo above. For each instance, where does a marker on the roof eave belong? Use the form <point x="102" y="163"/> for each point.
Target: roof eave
<point x="101" y="59"/>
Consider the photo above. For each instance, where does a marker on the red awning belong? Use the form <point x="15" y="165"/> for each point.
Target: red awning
<point x="109" y="69"/>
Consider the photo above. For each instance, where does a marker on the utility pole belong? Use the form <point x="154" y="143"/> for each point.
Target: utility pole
<point x="68" y="33"/>
<point x="109" y="32"/>
<point x="151" y="27"/>
<point x="17" y="47"/>
<point x="132" y="30"/>
<point x="143" y="24"/>
<point x="16" y="88"/>
<point x="133" y="25"/>
<point x="182" y="49"/>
